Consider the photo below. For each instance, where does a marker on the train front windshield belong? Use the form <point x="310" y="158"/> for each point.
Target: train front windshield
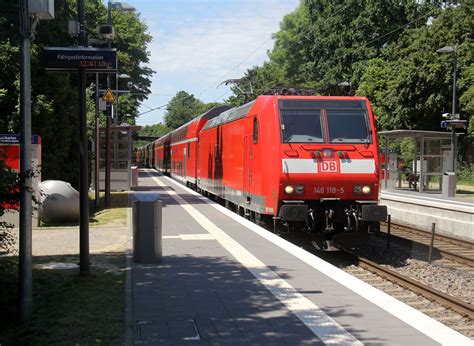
<point x="303" y="121"/>
<point x="301" y="126"/>
<point x="347" y="126"/>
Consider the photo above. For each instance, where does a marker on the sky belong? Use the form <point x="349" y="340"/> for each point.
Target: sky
<point x="197" y="44"/>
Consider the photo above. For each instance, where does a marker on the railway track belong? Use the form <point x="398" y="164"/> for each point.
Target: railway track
<point x="419" y="288"/>
<point x="402" y="271"/>
<point x="449" y="248"/>
<point x="451" y="311"/>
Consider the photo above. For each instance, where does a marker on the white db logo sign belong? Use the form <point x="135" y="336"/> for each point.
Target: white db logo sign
<point x="328" y="167"/>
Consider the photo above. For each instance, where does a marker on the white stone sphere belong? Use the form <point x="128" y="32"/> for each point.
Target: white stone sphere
<point x="59" y="202"/>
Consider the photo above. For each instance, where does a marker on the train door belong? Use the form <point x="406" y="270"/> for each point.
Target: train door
<point x="198" y="163"/>
<point x="248" y="153"/>
<point x="153" y="155"/>
<point x="184" y="162"/>
<point x="167" y="157"/>
<point x="218" y="168"/>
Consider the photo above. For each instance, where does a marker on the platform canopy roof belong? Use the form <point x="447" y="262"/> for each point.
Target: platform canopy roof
<point x="394" y="134"/>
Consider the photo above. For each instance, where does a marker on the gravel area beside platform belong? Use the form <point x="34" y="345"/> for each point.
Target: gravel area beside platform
<point x="456" y="282"/>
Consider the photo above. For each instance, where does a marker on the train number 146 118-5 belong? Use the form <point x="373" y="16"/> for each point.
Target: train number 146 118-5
<point x="329" y="189"/>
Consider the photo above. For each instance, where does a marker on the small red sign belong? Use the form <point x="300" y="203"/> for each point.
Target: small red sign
<point x="10" y="154"/>
<point x="329" y="166"/>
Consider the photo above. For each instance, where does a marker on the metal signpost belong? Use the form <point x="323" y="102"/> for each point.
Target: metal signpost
<point x="30" y="13"/>
<point x="25" y="281"/>
<point x="109" y="98"/>
<point x="82" y="59"/>
<point x="452" y="123"/>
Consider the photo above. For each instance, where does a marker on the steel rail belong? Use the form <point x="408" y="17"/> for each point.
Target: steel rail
<point x="417" y="287"/>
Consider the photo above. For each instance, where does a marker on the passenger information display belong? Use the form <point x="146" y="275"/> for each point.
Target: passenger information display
<point x="85" y="58"/>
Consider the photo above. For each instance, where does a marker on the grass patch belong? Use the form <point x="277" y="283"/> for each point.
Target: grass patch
<point x="116" y="214"/>
<point x="67" y="309"/>
<point x="117" y="199"/>
<point x="109" y="216"/>
<point x="465" y="182"/>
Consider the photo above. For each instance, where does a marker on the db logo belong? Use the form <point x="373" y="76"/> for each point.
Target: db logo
<point x="328" y="167"/>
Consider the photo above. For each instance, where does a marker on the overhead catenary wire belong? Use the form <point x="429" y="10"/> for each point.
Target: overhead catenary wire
<point x="236" y="66"/>
<point x="399" y="28"/>
<point x="210" y="86"/>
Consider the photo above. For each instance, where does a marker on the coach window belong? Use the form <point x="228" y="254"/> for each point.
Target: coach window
<point x="255" y="130"/>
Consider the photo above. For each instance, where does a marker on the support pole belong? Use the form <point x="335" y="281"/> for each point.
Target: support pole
<point x="83" y="149"/>
<point x="107" y="127"/>
<point x="25" y="277"/>
<point x="433" y="227"/>
<point x="97" y="143"/>
<point x="107" y="158"/>
<point x="453" y="112"/>
<point x="389" y="226"/>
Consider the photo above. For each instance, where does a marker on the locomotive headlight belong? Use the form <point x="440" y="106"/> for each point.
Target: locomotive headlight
<point x="289" y="189"/>
<point x="361" y="189"/>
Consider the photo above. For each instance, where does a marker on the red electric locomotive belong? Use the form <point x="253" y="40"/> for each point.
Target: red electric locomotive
<point x="307" y="161"/>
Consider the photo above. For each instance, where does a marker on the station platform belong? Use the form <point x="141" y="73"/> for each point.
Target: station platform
<point x="226" y="281"/>
<point x="453" y="216"/>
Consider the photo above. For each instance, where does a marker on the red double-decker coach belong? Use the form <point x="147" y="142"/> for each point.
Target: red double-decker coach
<point x="184" y="147"/>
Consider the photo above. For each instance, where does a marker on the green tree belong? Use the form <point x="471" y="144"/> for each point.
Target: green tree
<point x="410" y="84"/>
<point x="326" y="42"/>
<point x="156" y="131"/>
<point x="182" y="108"/>
<point x="55" y="95"/>
<point x="467" y="99"/>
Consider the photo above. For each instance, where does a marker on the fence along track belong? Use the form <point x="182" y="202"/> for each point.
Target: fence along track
<point x="451" y="248"/>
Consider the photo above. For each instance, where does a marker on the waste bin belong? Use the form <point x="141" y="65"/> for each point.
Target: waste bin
<point x="134" y="176"/>
<point x="449" y="184"/>
<point x="147" y="232"/>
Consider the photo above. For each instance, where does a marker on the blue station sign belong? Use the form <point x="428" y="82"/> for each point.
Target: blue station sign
<point x="455" y="123"/>
<point x="80" y="58"/>
<point x="13" y="138"/>
<point x="9" y="139"/>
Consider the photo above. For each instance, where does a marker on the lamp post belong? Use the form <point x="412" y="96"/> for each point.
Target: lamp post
<point x="96" y="142"/>
<point x="111" y="6"/>
<point x="346" y="84"/>
<point x="117" y="77"/>
<point x="454" y="50"/>
<point x="25" y="276"/>
<point x="84" y="178"/>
